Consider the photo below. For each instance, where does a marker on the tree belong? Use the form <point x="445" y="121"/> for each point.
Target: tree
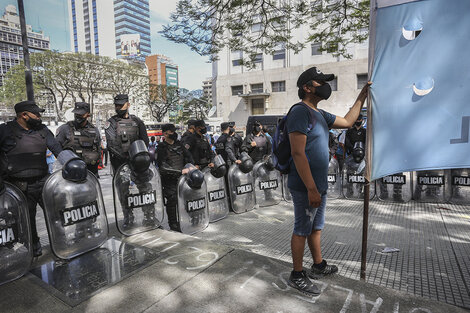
<point x="161" y="99"/>
<point x="254" y="27"/>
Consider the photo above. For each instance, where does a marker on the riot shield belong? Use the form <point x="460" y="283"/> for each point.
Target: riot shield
<point x="429" y="186"/>
<point x="193" y="212"/>
<point x="242" y="197"/>
<point x="354" y="180"/>
<point x="216" y="196"/>
<point x="267" y="183"/>
<point x="334" y="180"/>
<point x="396" y="188"/>
<point x="138" y="203"/>
<point x="15" y="234"/>
<point x="458" y="191"/>
<point x="74" y="208"/>
<point x="285" y="189"/>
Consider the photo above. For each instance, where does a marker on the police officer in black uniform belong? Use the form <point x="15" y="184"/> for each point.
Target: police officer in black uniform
<point x="233" y="145"/>
<point x="357" y="133"/>
<point x="199" y="146"/>
<point x="121" y="131"/>
<point x="256" y="144"/>
<point x="171" y="159"/>
<point x="187" y="137"/>
<point x="82" y="137"/>
<point x="222" y="141"/>
<point x="23" y="145"/>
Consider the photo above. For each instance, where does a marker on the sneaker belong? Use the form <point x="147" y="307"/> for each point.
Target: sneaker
<point x="322" y="269"/>
<point x="303" y="284"/>
<point x="37" y="249"/>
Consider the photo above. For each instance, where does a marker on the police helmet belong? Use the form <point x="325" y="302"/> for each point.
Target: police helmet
<point x="195" y="178"/>
<point x="73" y="168"/>
<point x="269" y="163"/>
<point x="220" y="167"/>
<point x="358" y="151"/>
<point x="247" y="163"/>
<point x="139" y="158"/>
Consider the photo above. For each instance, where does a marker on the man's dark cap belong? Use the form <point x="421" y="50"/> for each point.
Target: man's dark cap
<point x="313" y="74"/>
<point x="121" y="99"/>
<point x="170" y="127"/>
<point x="29" y="106"/>
<point x="232" y="124"/>
<point x="81" y="108"/>
<point x="199" y="123"/>
<point x="224" y="125"/>
<point x="191" y="122"/>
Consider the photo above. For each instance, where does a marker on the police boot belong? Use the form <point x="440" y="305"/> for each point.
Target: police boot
<point x="37" y="249"/>
<point x="128" y="218"/>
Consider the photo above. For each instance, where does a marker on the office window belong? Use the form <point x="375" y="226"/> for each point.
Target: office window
<point x="237" y="57"/>
<point x="256" y="88"/>
<point x="257" y="106"/>
<point x="237" y="90"/>
<point x="315" y="48"/>
<point x="361" y="80"/>
<point x="279" y="54"/>
<point x="278" y="86"/>
<point x="258" y="58"/>
<point x="257" y="27"/>
<point x="334" y="84"/>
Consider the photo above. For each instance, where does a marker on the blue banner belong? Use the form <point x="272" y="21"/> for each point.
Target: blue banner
<point x="421" y="87"/>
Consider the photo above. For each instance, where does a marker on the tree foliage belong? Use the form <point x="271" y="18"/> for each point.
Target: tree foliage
<point x="264" y="26"/>
<point x="161" y="99"/>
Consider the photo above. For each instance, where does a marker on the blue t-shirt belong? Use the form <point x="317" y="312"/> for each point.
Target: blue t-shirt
<point x="316" y="148"/>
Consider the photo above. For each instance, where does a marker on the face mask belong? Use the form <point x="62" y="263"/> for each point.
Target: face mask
<point x="204" y="130"/>
<point x="265" y="130"/>
<point x="79" y="119"/>
<point x="358" y="123"/>
<point x="121" y="113"/>
<point x="231" y="131"/>
<point x="323" y="91"/>
<point x="33" y="123"/>
<point x="173" y="136"/>
<point x="257" y="129"/>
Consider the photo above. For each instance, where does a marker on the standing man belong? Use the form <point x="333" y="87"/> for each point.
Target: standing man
<point x="355" y="134"/>
<point x="23" y="145"/>
<point x="221" y="142"/>
<point x="187" y="138"/>
<point x="308" y="134"/>
<point x="104" y="149"/>
<point x="82" y="137"/>
<point x="171" y="159"/>
<point x="199" y="146"/>
<point x="121" y="131"/>
<point x="256" y="144"/>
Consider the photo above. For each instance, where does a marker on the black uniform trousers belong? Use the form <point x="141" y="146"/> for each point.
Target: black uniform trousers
<point x="169" y="186"/>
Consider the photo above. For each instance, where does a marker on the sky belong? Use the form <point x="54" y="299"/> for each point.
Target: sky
<point x="51" y="16"/>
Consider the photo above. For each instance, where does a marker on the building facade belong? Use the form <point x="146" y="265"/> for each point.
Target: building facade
<point x="11" y="41"/>
<point x="113" y="28"/>
<point x="162" y="71"/>
<point x="270" y="88"/>
<point x="207" y="89"/>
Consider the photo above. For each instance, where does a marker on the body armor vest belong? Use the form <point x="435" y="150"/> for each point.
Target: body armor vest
<point x="203" y="148"/>
<point x="260" y="149"/>
<point x="127" y="131"/>
<point x="84" y="143"/>
<point x="175" y="157"/>
<point x="28" y="158"/>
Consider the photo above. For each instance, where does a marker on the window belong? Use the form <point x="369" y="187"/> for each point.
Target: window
<point x="237" y="57"/>
<point x="361" y="80"/>
<point x="236" y="62"/>
<point x="278" y="86"/>
<point x="257" y="106"/>
<point x="256" y="27"/>
<point x="237" y="90"/>
<point x="256" y="88"/>
<point x="279" y="54"/>
<point x="334" y="84"/>
<point x="316" y="48"/>
<point x="258" y="58"/>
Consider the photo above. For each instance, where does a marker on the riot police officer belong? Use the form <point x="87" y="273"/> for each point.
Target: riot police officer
<point x="82" y="137"/>
<point x="171" y="159"/>
<point x="121" y="131"/>
<point x="186" y="138"/>
<point x="357" y="133"/>
<point x="199" y="146"/>
<point x="233" y="145"/>
<point x="23" y="145"/>
<point x="222" y="141"/>
<point x="256" y="144"/>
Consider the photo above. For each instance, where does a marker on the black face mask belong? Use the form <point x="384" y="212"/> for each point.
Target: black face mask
<point x="173" y="136"/>
<point x="358" y="123"/>
<point x="121" y="113"/>
<point x="323" y="91"/>
<point x="79" y="119"/>
<point x="231" y="131"/>
<point x="203" y="130"/>
<point x="257" y="129"/>
<point x="33" y="123"/>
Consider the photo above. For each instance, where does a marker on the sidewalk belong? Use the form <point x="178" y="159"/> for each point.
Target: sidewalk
<point x="194" y="275"/>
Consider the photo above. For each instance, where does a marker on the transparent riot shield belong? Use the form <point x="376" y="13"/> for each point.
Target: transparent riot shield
<point x="354" y="180"/>
<point x="138" y="200"/>
<point x="74" y="208"/>
<point x="242" y="197"/>
<point x="458" y="191"/>
<point x="216" y="196"/>
<point x="15" y="234"/>
<point x="193" y="212"/>
<point x="396" y="188"/>
<point x="334" y="180"/>
<point x="285" y="189"/>
<point x="429" y="186"/>
<point x="267" y="183"/>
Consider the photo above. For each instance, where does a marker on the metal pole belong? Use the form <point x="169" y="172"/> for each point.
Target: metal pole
<point x="24" y="36"/>
<point x="365" y="226"/>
